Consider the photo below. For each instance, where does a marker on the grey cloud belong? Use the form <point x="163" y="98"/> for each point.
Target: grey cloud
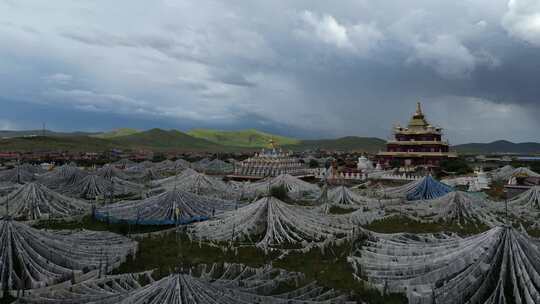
<point x="24" y="28"/>
<point x="448" y="56"/>
<point x="96" y="101"/>
<point x="98" y="38"/>
<point x="59" y="78"/>
<point x="325" y="69"/>
<point x="165" y="45"/>
<point x="234" y="79"/>
<point x="522" y="20"/>
<point x="358" y="38"/>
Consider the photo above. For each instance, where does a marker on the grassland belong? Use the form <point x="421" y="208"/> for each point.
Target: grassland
<point x="155" y="140"/>
<point x="51" y="143"/>
<point x="166" y="252"/>
<point x="398" y="224"/>
<point x="330" y="269"/>
<point x="116" y="133"/>
<point x="212" y="141"/>
<point x="160" y="140"/>
<point x="250" y="138"/>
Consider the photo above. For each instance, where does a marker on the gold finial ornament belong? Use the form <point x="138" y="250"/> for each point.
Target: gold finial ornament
<point x="418" y="120"/>
<point x="418" y="108"/>
<point x="272" y="143"/>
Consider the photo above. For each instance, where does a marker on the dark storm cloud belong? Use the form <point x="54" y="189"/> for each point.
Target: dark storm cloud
<point x="306" y="68"/>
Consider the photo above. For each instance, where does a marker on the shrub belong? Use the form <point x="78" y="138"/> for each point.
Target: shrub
<point x="279" y="192"/>
<point x="458" y="166"/>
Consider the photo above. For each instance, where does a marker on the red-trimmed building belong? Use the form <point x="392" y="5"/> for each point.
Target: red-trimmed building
<point x="419" y="145"/>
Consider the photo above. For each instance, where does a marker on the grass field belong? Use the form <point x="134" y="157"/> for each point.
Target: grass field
<point x="398" y="224"/>
<point x="165" y="253"/>
<point x="46" y="143"/>
<point x="160" y="140"/>
<point x="329" y="268"/>
<point x="117" y="133"/>
<point x="250" y="138"/>
<point x="90" y="223"/>
<point x="155" y="139"/>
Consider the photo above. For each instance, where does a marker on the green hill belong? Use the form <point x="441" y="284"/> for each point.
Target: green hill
<point x="117" y="133"/>
<point x="349" y="143"/>
<point x="250" y="138"/>
<point x="158" y="139"/>
<point x="52" y="143"/>
<point x="500" y="146"/>
<point x="215" y="141"/>
<point x="155" y="139"/>
<point x="173" y="140"/>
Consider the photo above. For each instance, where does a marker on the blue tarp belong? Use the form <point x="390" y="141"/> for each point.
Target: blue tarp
<point x="427" y="189"/>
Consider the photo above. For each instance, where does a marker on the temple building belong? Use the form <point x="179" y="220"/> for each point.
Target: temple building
<point x="269" y="162"/>
<point x="419" y="145"/>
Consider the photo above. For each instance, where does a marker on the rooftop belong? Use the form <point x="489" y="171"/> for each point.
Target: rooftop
<point x="418" y="124"/>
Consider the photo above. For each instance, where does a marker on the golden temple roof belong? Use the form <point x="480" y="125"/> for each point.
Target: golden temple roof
<point x="418" y="124"/>
<point x="418" y="120"/>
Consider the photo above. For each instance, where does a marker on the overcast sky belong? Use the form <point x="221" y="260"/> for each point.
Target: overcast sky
<point x="309" y="69"/>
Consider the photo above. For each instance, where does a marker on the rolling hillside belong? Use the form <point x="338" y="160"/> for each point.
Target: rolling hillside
<point x="155" y="139"/>
<point x="158" y="139"/>
<point x="164" y="140"/>
<point x="52" y="143"/>
<point x="117" y="133"/>
<point x="212" y="140"/>
<point x="500" y="146"/>
<point x="250" y="138"/>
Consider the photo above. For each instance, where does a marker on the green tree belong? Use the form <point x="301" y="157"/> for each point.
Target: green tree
<point x="395" y="163"/>
<point x="158" y="157"/>
<point x="279" y="192"/>
<point x="458" y="166"/>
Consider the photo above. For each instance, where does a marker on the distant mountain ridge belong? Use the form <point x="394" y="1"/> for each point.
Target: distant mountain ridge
<point x="215" y="141"/>
<point x="499" y="146"/>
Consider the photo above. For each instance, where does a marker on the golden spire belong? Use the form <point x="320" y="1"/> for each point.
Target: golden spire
<point x="272" y="143"/>
<point x="418" y="120"/>
<point x="418" y="108"/>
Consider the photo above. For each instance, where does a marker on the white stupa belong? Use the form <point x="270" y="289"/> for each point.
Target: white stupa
<point x="481" y="182"/>
<point x="364" y="164"/>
